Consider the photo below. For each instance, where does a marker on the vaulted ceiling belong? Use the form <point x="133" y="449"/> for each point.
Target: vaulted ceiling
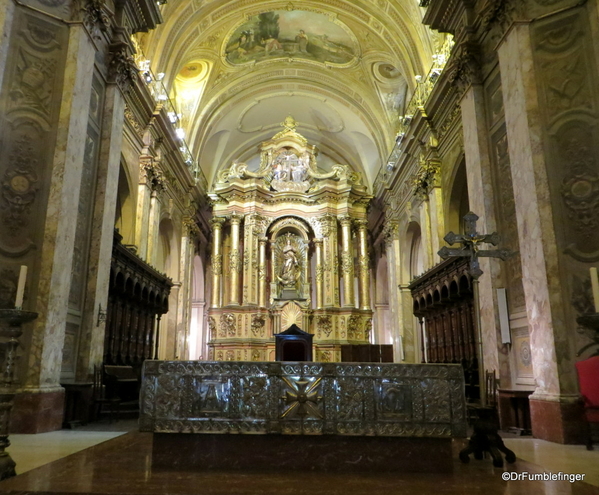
<point x="343" y="69"/>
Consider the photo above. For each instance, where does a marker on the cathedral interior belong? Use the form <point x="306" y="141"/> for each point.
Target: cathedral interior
<point x="185" y="180"/>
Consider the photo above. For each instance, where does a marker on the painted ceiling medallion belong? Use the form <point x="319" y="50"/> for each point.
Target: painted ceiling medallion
<point x="291" y="34"/>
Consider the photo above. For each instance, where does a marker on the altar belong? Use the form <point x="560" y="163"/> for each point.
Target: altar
<point x="309" y="416"/>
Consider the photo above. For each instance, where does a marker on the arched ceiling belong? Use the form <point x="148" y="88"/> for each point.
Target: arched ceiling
<point x="343" y="69"/>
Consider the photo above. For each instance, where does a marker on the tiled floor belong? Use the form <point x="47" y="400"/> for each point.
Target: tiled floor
<point x="123" y="466"/>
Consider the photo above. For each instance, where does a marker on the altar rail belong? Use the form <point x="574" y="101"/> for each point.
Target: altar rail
<point x="395" y="400"/>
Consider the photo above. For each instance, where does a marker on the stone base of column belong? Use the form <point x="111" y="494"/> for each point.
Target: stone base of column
<point x="557" y="421"/>
<point x="37" y="412"/>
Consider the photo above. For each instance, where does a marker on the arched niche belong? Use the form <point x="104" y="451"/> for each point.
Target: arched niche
<point x="125" y="208"/>
<point x="290" y="258"/>
<point x="165" y="247"/>
<point x="458" y="204"/>
<point x="414" y="259"/>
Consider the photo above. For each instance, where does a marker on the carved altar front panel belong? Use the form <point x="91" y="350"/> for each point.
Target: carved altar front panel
<point x="303" y="398"/>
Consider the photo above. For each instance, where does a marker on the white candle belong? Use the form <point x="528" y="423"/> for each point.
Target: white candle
<point x="21" y="287"/>
<point x="595" y="284"/>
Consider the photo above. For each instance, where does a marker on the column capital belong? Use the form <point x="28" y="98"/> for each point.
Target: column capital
<point x="361" y="224"/>
<point x="235" y="218"/>
<point x="262" y="240"/>
<point x="217" y="222"/>
<point x="318" y="240"/>
<point x="345" y="220"/>
<point x="465" y="68"/>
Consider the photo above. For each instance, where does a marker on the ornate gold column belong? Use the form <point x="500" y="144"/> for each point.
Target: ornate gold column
<point x="319" y="274"/>
<point x="347" y="262"/>
<point x="234" y="261"/>
<point x="217" y="259"/>
<point x="262" y="272"/>
<point x="364" y="263"/>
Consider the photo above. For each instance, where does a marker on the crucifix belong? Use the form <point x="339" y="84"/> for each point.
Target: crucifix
<point x="471" y="242"/>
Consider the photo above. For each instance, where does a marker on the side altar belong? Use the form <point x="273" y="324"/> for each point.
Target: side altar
<point x="331" y="416"/>
<point x="290" y="245"/>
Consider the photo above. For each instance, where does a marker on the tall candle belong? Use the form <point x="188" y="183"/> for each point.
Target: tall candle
<point x="21" y="287"/>
<point x="595" y="284"/>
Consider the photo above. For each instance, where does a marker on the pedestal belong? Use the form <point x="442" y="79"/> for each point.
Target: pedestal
<point x="10" y="328"/>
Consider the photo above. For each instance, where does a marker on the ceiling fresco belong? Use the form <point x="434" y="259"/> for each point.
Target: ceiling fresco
<point x="298" y="34"/>
<point x="344" y="69"/>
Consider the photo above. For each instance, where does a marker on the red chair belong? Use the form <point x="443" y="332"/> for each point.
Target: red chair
<point x="588" y="380"/>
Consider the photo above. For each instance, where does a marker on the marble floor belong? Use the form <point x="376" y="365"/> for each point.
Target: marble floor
<point x="113" y="463"/>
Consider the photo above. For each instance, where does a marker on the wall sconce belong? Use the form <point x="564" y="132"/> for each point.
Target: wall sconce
<point x="101" y="316"/>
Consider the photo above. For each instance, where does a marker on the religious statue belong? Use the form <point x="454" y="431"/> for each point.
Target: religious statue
<point x="290" y="255"/>
<point x="290" y="266"/>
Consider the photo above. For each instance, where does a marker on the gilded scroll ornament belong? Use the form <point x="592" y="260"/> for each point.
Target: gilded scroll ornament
<point x="324" y="324"/>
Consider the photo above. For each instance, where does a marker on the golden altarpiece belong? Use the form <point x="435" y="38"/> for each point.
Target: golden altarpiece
<point x="289" y="246"/>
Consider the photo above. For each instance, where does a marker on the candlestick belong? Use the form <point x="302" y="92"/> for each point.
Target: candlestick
<point x="595" y="284"/>
<point x="21" y="287"/>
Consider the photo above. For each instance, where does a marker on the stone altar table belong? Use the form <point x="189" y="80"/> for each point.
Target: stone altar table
<point x="324" y="416"/>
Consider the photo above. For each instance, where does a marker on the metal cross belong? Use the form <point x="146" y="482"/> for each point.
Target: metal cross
<point x="471" y="241"/>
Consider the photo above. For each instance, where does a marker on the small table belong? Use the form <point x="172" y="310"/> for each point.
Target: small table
<point x="514" y="410"/>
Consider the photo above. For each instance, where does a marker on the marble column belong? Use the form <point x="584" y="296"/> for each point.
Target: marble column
<point x="100" y="253"/>
<point x="144" y="193"/>
<point x="553" y="150"/>
<point x="481" y="196"/>
<point x="39" y="406"/>
<point x="153" y="226"/>
<point x="183" y="302"/>
<point x="364" y="264"/>
<point x="392" y="249"/>
<point x="7" y="13"/>
<point x="319" y="275"/>
<point x="438" y="229"/>
<point x="426" y="233"/>
<point x="262" y="272"/>
<point x="235" y="261"/>
<point x="347" y="262"/>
